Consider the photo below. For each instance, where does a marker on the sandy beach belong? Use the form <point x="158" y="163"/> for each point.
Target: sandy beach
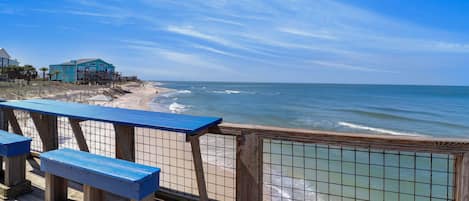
<point x="140" y="97"/>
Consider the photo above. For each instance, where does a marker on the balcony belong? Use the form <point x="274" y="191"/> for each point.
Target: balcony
<point x="247" y="162"/>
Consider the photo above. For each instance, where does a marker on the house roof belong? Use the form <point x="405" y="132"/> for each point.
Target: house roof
<point x="4" y="53"/>
<point x="80" y="61"/>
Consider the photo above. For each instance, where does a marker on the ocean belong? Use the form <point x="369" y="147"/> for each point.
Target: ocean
<point x="441" y="111"/>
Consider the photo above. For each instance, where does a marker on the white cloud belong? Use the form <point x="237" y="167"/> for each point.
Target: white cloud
<point x="189" y="31"/>
<point x="348" y="67"/>
<point x="319" y="35"/>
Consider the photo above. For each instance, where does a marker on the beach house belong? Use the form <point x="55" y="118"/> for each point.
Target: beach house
<point x="6" y="60"/>
<point x="82" y="71"/>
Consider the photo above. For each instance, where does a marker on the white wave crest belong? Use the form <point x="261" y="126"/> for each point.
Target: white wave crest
<point x="184" y="92"/>
<point x="177" y="108"/>
<point x="228" y="91"/>
<point x="377" y="130"/>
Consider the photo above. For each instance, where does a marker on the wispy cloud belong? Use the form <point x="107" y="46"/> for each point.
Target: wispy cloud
<point x="224" y="21"/>
<point x="189" y="31"/>
<point x="319" y="35"/>
<point x="348" y="66"/>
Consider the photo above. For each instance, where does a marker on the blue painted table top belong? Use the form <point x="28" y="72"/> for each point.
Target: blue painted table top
<point x="163" y="121"/>
<point x="13" y="144"/>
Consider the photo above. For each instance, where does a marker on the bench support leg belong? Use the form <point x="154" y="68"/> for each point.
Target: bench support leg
<point x="15" y="182"/>
<point x="15" y="170"/>
<point x="125" y="142"/>
<point x="151" y="197"/>
<point x="199" y="168"/>
<point x="92" y="194"/>
<point x="78" y="132"/>
<point x="46" y="126"/>
<point x="56" y="188"/>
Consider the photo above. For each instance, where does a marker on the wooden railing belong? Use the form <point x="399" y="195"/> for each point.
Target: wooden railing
<point x="250" y="151"/>
<point x="249" y="163"/>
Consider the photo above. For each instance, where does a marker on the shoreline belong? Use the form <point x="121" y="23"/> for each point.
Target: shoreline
<point x="140" y="97"/>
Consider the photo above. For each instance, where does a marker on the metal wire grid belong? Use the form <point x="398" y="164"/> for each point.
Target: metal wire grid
<point x="171" y="152"/>
<point x="303" y="171"/>
<point x="29" y="130"/>
<point x="99" y="136"/>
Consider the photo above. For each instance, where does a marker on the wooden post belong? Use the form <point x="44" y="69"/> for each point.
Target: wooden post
<point x="462" y="177"/>
<point x="92" y="194"/>
<point x="78" y="132"/>
<point x="56" y="188"/>
<point x="3" y="120"/>
<point x="11" y="117"/>
<point x="15" y="170"/>
<point x="198" y="166"/>
<point x="46" y="126"/>
<point x="125" y="142"/>
<point x="249" y="167"/>
<point x="148" y="198"/>
<point x="3" y="126"/>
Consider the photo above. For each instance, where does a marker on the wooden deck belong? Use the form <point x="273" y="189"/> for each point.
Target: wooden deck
<point x="38" y="184"/>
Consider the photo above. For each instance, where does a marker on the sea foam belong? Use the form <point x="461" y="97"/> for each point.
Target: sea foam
<point x="177" y="108"/>
<point x="376" y="130"/>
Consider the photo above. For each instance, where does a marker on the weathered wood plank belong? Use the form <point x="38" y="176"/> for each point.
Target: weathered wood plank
<point x="198" y="167"/>
<point x="78" y="132"/>
<point x="3" y="120"/>
<point x="15" y="170"/>
<point x="148" y="198"/>
<point x="46" y="126"/>
<point x="125" y="142"/>
<point x="462" y="177"/>
<point x="249" y="167"/>
<point x="13" y="121"/>
<point x="92" y="194"/>
<point x="56" y="188"/>
<point x="389" y="142"/>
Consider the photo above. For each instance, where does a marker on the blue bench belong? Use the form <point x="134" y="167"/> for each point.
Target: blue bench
<point x="97" y="174"/>
<point x="14" y="149"/>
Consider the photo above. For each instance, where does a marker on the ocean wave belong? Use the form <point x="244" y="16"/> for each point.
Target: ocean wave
<point x="376" y="130"/>
<point x="175" y="93"/>
<point x="386" y="116"/>
<point x="177" y="108"/>
<point x="184" y="92"/>
<point x="228" y="91"/>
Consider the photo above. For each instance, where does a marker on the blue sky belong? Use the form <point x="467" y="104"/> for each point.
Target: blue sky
<point x="360" y="41"/>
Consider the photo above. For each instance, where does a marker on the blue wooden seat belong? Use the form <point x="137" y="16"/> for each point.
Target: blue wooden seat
<point x="14" y="149"/>
<point x="13" y="145"/>
<point x="120" y="177"/>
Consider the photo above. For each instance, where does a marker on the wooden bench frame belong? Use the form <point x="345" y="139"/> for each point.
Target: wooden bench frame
<point x="15" y="182"/>
<point x="58" y="172"/>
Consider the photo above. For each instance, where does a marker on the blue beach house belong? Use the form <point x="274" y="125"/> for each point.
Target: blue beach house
<point x="82" y="71"/>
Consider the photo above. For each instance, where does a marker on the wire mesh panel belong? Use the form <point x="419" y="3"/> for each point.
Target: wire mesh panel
<point x="303" y="171"/>
<point x="171" y="152"/>
<point x="99" y="136"/>
<point x="29" y="129"/>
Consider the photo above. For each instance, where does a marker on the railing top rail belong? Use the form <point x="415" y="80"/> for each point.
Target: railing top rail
<point x="138" y="118"/>
<point x="373" y="141"/>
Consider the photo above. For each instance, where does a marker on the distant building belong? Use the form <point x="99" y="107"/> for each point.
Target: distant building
<point x="5" y="59"/>
<point x="82" y="71"/>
